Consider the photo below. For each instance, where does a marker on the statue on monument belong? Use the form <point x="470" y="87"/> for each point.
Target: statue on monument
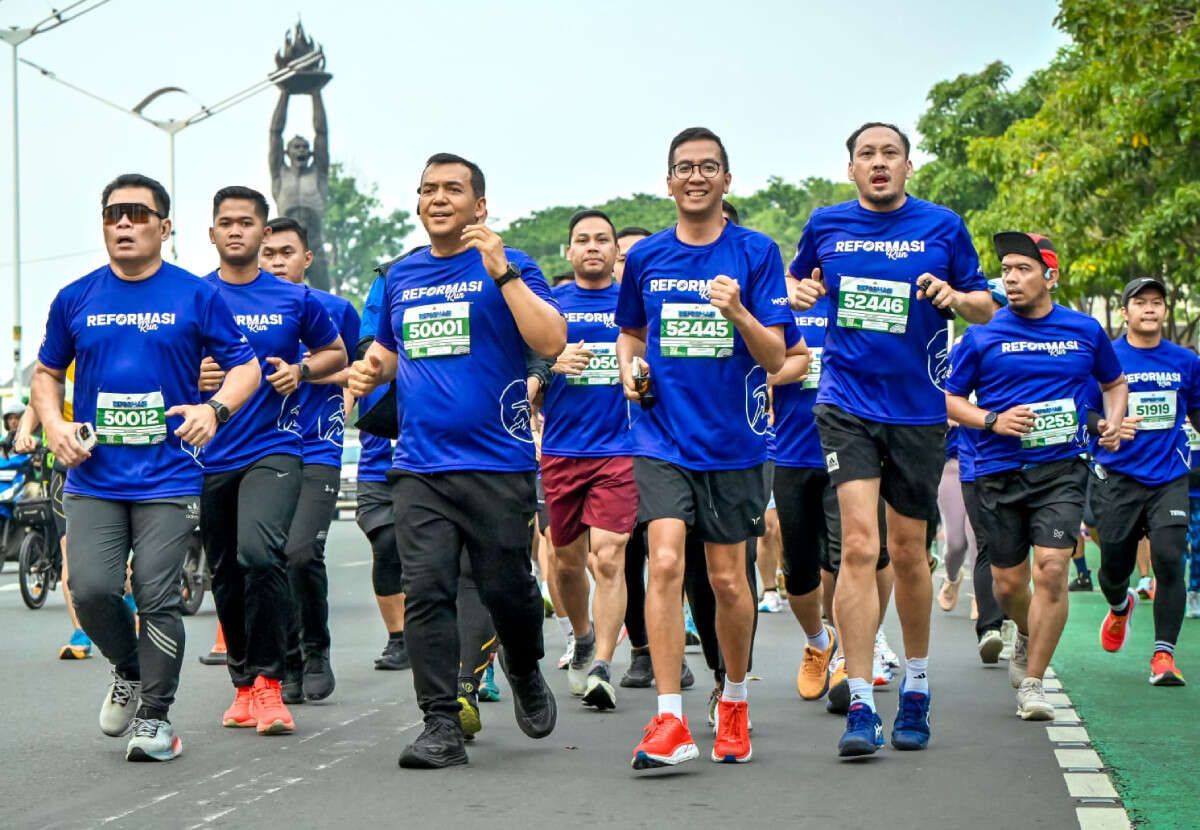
<point x="300" y="175"/>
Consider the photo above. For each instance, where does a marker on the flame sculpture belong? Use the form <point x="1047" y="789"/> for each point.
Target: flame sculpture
<point x="297" y="44"/>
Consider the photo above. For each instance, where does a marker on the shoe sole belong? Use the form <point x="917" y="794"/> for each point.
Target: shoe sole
<point x="857" y="749"/>
<point x="417" y="762"/>
<point x="1167" y="680"/>
<point x="213" y="659"/>
<point x="73" y="653"/>
<point x="277" y="727"/>
<point x="489" y="698"/>
<point x="730" y="758"/>
<point x="681" y="755"/>
<point x="235" y="724"/>
<point x="1036" y="714"/>
<point x="468" y="718"/>
<point x="635" y="683"/>
<point x="910" y="746"/>
<point x="989" y="652"/>
<point x="602" y="697"/>
<point x="138" y="754"/>
<point x="381" y="666"/>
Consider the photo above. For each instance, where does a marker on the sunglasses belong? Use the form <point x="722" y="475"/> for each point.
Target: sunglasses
<point x="138" y="213"/>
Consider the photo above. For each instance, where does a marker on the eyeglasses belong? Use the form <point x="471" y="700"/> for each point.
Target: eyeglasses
<point x="138" y="213"/>
<point x="708" y="169"/>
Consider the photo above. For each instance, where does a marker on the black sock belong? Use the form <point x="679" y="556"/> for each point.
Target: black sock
<point x="150" y="713"/>
<point x="396" y="636"/>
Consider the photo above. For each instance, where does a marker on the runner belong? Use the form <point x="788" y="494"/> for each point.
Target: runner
<point x="900" y="267"/>
<point x="1142" y="489"/>
<point x="136" y="328"/>
<point x="1028" y="369"/>
<point x="626" y="238"/>
<point x="252" y="474"/>
<point x="703" y="303"/>
<point x="462" y="312"/>
<point x="323" y="409"/>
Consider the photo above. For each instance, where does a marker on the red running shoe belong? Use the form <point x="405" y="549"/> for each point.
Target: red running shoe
<point x="1114" y="631"/>
<point x="238" y="714"/>
<point x="666" y="742"/>
<point x="268" y="708"/>
<point x="733" y="733"/>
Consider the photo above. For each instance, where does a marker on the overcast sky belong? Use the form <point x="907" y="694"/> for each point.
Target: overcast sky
<point x="560" y="103"/>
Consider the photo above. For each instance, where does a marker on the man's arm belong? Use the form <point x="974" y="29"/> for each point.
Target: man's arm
<point x="320" y="135"/>
<point x="631" y="343"/>
<point x="765" y="343"/>
<point x="46" y="392"/>
<point x="275" y="143"/>
<point x="795" y="366"/>
<point x="377" y="367"/>
<point x="972" y="306"/>
<point x="322" y="362"/>
<point x="1116" y="401"/>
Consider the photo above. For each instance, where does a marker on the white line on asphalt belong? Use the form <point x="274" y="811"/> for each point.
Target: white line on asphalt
<point x="1102" y="818"/>
<point x="355" y="564"/>
<point x="12" y="586"/>
<point x="142" y="806"/>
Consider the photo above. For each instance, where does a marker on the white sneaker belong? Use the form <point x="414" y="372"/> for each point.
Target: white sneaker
<point x="1145" y="588"/>
<point x="771" y="603"/>
<point x="119" y="706"/>
<point x="1018" y="664"/>
<point x="881" y="672"/>
<point x="1008" y="632"/>
<point x="153" y="740"/>
<point x="884" y="651"/>
<point x="1031" y="701"/>
<point x="1193" y="604"/>
<point x="568" y="652"/>
<point x="990" y="646"/>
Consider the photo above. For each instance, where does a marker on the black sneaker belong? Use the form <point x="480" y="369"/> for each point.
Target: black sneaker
<point x="641" y="671"/>
<point x="533" y="702"/>
<point x="439" y="745"/>
<point x="394" y="657"/>
<point x="318" y="676"/>
<point x="686" y="679"/>
<point x="292" y="687"/>
<point x="1083" y="582"/>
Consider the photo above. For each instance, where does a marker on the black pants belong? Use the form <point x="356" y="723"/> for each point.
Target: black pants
<point x="990" y="614"/>
<point x="491" y="515"/>
<point x="476" y="631"/>
<point x="308" y="581"/>
<point x="244" y="520"/>
<point x="635" y="588"/>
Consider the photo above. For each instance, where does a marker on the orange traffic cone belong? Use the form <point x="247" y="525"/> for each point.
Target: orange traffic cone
<point x="216" y="657"/>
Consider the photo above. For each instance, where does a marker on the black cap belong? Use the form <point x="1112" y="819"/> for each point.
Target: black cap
<point x="1139" y="285"/>
<point x="1032" y="245"/>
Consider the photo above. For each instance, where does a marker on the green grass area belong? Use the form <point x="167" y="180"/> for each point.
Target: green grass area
<point x="1148" y="737"/>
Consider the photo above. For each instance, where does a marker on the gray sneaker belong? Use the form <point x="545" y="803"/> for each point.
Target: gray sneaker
<point x="153" y="740"/>
<point x="1018" y="664"/>
<point x="1031" y="701"/>
<point x="581" y="663"/>
<point x="119" y="706"/>
<point x="990" y="646"/>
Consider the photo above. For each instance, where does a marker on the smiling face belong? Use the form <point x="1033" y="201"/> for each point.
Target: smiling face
<point x="446" y="201"/>
<point x="1145" y="312"/>
<point x="1025" y="282"/>
<point x="879" y="168"/>
<point x="237" y="232"/>
<point x="129" y="245"/>
<point x="299" y="152"/>
<point x="593" y="251"/>
<point x="694" y="194"/>
<point x="284" y="255"/>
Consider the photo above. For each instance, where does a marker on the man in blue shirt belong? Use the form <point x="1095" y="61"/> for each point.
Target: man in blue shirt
<point x="1029" y="369"/>
<point x="457" y="317"/>
<point x="704" y="304"/>
<point x="137" y="329"/>
<point x="1143" y="491"/>
<point x="896" y="269"/>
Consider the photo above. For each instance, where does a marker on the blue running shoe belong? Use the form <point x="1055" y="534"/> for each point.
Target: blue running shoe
<point x="691" y="637"/>
<point x="864" y="732"/>
<point x="79" y="648"/>
<point x="911" y="729"/>
<point x="488" y="691"/>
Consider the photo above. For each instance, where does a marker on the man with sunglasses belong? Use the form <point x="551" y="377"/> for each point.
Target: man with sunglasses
<point x="136" y="329"/>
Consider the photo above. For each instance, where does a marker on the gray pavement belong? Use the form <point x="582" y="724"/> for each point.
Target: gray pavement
<point x="985" y="768"/>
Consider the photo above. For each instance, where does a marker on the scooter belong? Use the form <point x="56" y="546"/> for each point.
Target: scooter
<point x="13" y="468"/>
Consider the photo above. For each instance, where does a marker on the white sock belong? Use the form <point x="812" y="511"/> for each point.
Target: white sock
<point x="861" y="691"/>
<point x="821" y="641"/>
<point x="671" y="705"/>
<point x="735" y="692"/>
<point x="916" y="675"/>
<point x="564" y="625"/>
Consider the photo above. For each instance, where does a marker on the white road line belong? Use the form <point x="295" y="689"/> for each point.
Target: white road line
<point x="356" y="564"/>
<point x="1102" y="818"/>
<point x="12" y="586"/>
<point x="141" y="806"/>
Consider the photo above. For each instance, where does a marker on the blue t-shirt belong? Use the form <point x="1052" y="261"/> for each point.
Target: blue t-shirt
<point x="376" y="457"/>
<point x="1164" y="386"/>
<point x="712" y="411"/>
<point x="586" y="416"/>
<point x="322" y="406"/>
<point x="137" y="346"/>
<point x="1044" y="364"/>
<point x="275" y="315"/>
<point x="461" y="385"/>
<point x="796" y="441"/>
<point x="968" y="438"/>
<point x="886" y="353"/>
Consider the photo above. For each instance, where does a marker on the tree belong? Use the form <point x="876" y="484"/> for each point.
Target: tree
<point x="358" y="236"/>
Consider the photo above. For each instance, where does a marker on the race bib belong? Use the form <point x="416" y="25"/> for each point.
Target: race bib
<point x="1055" y="422"/>
<point x="601" y="369"/>
<point x="1156" y="409"/>
<point x="694" y="330"/>
<point x="437" y="330"/>
<point x="130" y="419"/>
<point x="874" y="305"/>
<point x="1193" y="437"/>
<point x="814" y="370"/>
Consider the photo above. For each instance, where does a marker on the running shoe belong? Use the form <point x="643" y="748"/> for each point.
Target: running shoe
<point x="1018" y="663"/>
<point x="714" y="701"/>
<point x="1163" y="671"/>
<point x="686" y="679"/>
<point x="394" y="657"/>
<point x="468" y="708"/>
<point x="292" y="687"/>
<point x="990" y="646"/>
<point x="439" y="745"/>
<point x="911" y="729"/>
<point x="812" y="680"/>
<point x="1082" y="582"/>
<point x="771" y="603"/>
<point x="488" y="691"/>
<point x="884" y="650"/>
<point x="1114" y="631"/>
<point x="577" y="669"/>
<point x="240" y="712"/>
<point x="568" y="652"/>
<point x="1193" y="604"/>
<point x="153" y="740"/>
<point x="691" y="637"/>
<point x="271" y="716"/>
<point x="732" y="745"/>
<point x="1008" y="633"/>
<point x="1145" y="587"/>
<point x="882" y="673"/>
<point x="640" y="674"/>
<point x="218" y="655"/>
<point x="864" y="732"/>
<point x="599" y="692"/>
<point x="534" y="706"/>
<point x="948" y="594"/>
<point x="666" y="742"/>
<point x="1031" y="700"/>
<point x="838" y="701"/>
<point x="120" y="705"/>
<point x="318" y="676"/>
<point x="78" y="648"/>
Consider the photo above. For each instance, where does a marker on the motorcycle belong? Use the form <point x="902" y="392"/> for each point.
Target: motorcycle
<point x="197" y="577"/>
<point x="40" y="554"/>
<point x="13" y="473"/>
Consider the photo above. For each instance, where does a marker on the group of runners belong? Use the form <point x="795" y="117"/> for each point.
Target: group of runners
<point x="678" y="397"/>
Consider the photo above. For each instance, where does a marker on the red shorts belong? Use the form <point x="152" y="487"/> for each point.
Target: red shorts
<point x="588" y="492"/>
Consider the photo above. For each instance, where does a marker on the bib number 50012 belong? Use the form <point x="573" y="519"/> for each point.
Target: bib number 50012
<point x="130" y="419"/>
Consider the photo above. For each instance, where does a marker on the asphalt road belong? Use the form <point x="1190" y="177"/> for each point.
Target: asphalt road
<point x="985" y="768"/>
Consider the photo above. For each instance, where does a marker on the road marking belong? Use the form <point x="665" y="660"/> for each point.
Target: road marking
<point x="1089" y="785"/>
<point x="356" y="564"/>
<point x="12" y="586"/>
<point x="141" y="806"/>
<point x="1078" y="759"/>
<point x="1102" y="818"/>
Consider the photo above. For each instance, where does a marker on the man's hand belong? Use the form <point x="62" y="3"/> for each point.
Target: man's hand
<point x="936" y="291"/>
<point x="533" y="388"/>
<point x="490" y="247"/>
<point x="24" y="443"/>
<point x="199" y="423"/>
<point x="1016" y="422"/>
<point x="573" y="360"/>
<point x="627" y="372"/>
<point x="286" y="377"/>
<point x="211" y="375"/>
<point x="803" y="294"/>
<point x="64" y="445"/>
<point x="1127" y="433"/>
<point x="365" y="376"/>
<point x="726" y="296"/>
<point x="1111" y="435"/>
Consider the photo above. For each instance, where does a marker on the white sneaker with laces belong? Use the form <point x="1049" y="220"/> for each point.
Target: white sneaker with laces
<point x="771" y="603"/>
<point x="1018" y="664"/>
<point x="1008" y="632"/>
<point x="120" y="704"/>
<point x="568" y="653"/>
<point x="1031" y="700"/>
<point x="153" y="740"/>
<point x="884" y="651"/>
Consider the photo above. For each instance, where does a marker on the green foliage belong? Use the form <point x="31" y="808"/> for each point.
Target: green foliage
<point x="358" y="236"/>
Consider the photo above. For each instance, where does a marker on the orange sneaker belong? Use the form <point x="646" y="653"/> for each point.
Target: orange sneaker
<point x="1163" y="671"/>
<point x="238" y="714"/>
<point x="268" y="709"/>
<point x="812" y="680"/>
<point x="665" y="743"/>
<point x="1114" y="631"/>
<point x="732" y="745"/>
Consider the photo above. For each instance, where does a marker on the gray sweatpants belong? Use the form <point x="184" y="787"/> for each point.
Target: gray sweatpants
<point x="100" y="534"/>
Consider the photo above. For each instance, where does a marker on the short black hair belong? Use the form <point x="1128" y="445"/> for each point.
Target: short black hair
<point x="580" y="215"/>
<point x="162" y="202"/>
<point x="286" y="223"/>
<point x="731" y="212"/>
<point x="632" y="230"/>
<point x="559" y="279"/>
<point x="853" y="139"/>
<point x="478" y="185"/>
<point x="697" y="134"/>
<point x="236" y="191"/>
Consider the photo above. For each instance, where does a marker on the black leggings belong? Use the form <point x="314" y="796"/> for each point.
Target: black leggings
<point x="387" y="575"/>
<point x="704" y="603"/>
<point x="635" y="588"/>
<point x="477" y="639"/>
<point x="1119" y="558"/>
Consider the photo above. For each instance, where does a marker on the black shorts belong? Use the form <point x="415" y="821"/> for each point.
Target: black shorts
<point x="57" y="479"/>
<point x="374" y="508"/>
<point x="906" y="458"/>
<point x="1127" y="510"/>
<point x="718" y="506"/>
<point x="1089" y="515"/>
<point x="543" y="517"/>
<point x="832" y="559"/>
<point x="800" y="502"/>
<point x="971" y="505"/>
<point x="1042" y="506"/>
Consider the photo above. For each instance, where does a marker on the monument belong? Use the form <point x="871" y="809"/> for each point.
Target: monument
<point x="300" y="175"/>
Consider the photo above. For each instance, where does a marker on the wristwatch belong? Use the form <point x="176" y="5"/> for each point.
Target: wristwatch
<point x="305" y="371"/>
<point x="989" y="420"/>
<point x="223" y="413"/>
<point x="512" y="273"/>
